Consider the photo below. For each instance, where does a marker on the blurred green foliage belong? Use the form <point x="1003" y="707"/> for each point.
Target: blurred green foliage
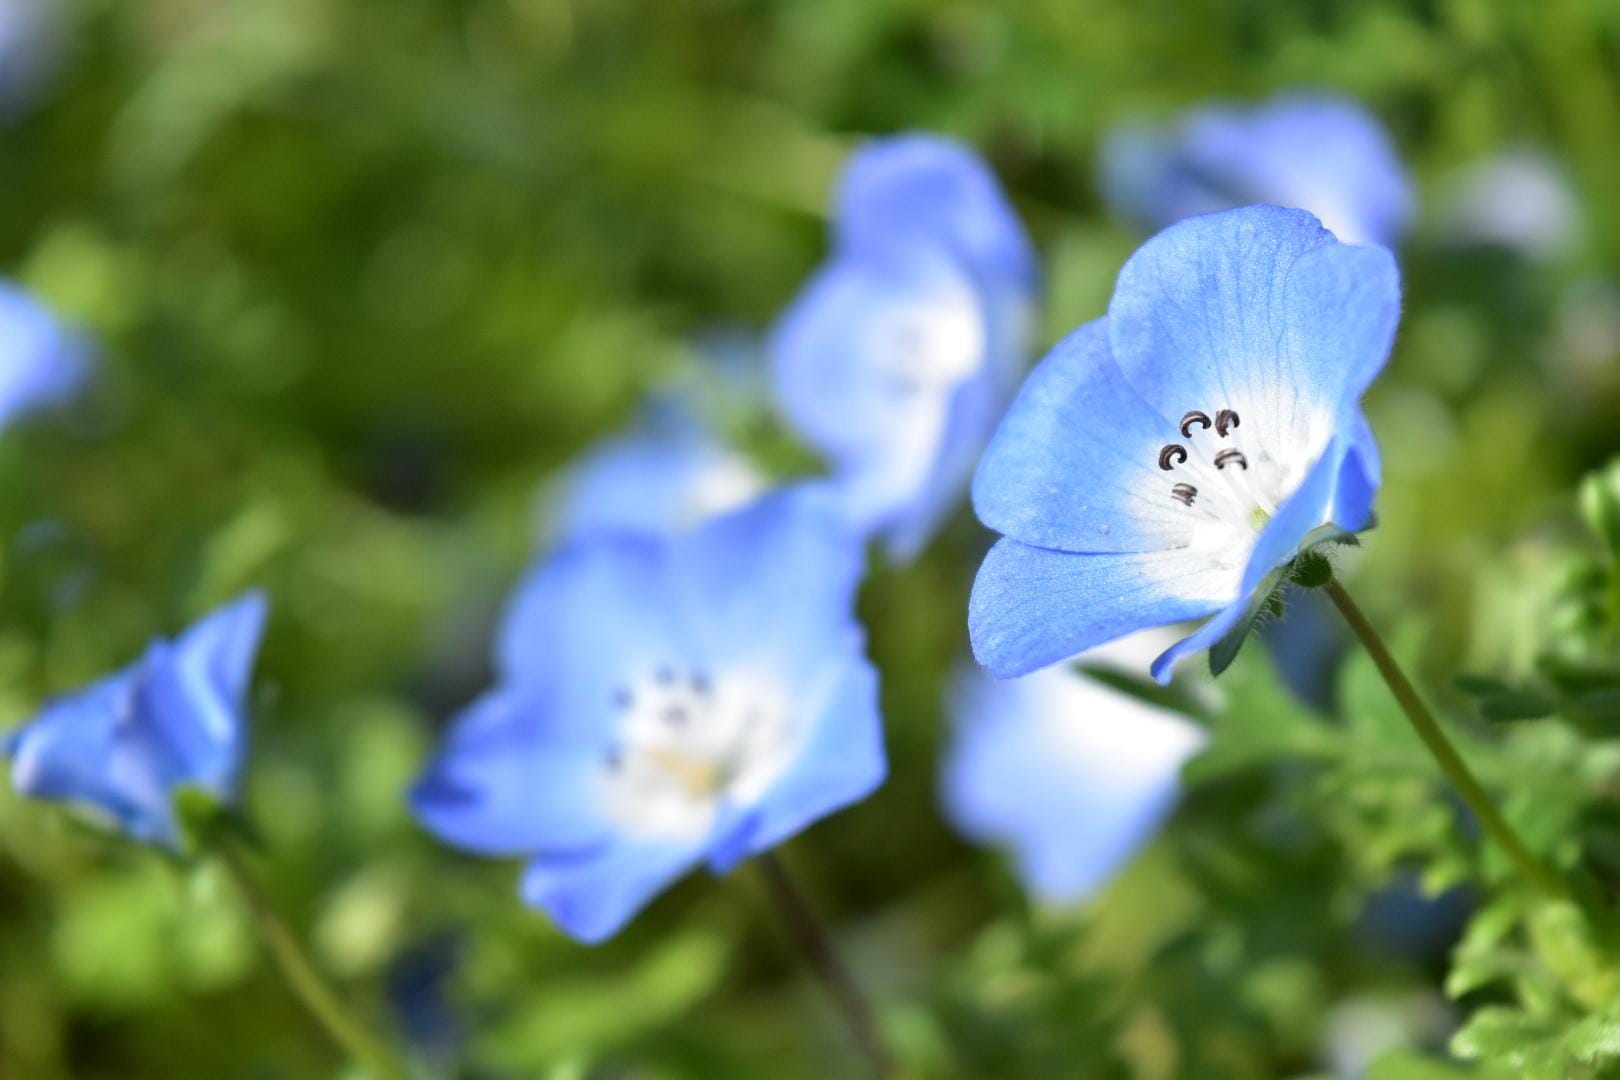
<point x="366" y="273"/>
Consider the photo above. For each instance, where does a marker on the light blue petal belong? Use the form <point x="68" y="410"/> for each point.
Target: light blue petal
<point x="201" y="691"/>
<point x="771" y="585"/>
<point x="602" y="609"/>
<point x="910" y="189"/>
<point x="592" y="894"/>
<point x="1146" y="178"/>
<point x="863" y="364"/>
<point x="511" y="779"/>
<point x="1257" y="309"/>
<point x="1314" y="152"/>
<point x="840" y="763"/>
<point x="1033" y="606"/>
<point x="664" y="475"/>
<point x="66" y="755"/>
<point x="1071" y="775"/>
<point x="41" y="362"/>
<point x="1279" y="542"/>
<point x="1073" y="465"/>
<point x="1359" y="479"/>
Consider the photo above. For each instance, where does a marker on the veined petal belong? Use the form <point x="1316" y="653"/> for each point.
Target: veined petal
<point x="1034" y="606"/>
<point x="592" y="894"/>
<point x="840" y="762"/>
<point x="1261" y="311"/>
<point x="1278" y="543"/>
<point x="900" y="191"/>
<point x="512" y="780"/>
<point x="1073" y="464"/>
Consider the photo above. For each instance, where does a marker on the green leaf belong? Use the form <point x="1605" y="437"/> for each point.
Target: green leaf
<point x="1517" y="705"/>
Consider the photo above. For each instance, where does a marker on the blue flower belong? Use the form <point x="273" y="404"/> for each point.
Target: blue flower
<point x="665" y="474"/>
<point x="1164" y="460"/>
<point x="173" y="719"/>
<point x="1069" y="774"/>
<point x="41" y="362"/>
<point x="665" y="701"/>
<point x="1308" y="151"/>
<point x="898" y="356"/>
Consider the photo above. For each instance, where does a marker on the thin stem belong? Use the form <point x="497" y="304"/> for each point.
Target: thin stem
<point x="811" y="936"/>
<point x="301" y="974"/>
<point x="1451" y="763"/>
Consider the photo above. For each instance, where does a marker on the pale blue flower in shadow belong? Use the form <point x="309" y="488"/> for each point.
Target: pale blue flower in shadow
<point x="900" y="353"/>
<point x="1067" y="774"/>
<point x="665" y="701"/>
<point x="1164" y="460"/>
<point x="176" y="718"/>
<point x="1306" y="150"/>
<point x="665" y="473"/>
<point x="42" y="362"/>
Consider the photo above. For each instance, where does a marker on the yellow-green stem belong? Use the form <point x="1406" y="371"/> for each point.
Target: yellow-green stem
<point x="1451" y="763"/>
<point x="303" y="977"/>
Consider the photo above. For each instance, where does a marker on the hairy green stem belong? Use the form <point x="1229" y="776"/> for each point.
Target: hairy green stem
<point x="303" y="977"/>
<point x="1451" y="763"/>
<point x="815" y="943"/>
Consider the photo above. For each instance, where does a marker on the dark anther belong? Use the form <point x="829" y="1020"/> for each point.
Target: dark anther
<point x="675" y="716"/>
<point x="665" y="675"/>
<point x="622" y="699"/>
<point x="1225" y="420"/>
<point x="615" y="759"/>
<point x="700" y="684"/>
<point x="1184" y="494"/>
<point x="1231" y="457"/>
<point x="1172" y="455"/>
<point x="1194" y="417"/>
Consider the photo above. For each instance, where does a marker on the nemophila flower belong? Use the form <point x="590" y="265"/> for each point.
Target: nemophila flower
<point x="41" y="362"/>
<point x="1070" y="775"/>
<point x="898" y="356"/>
<point x="666" y="473"/>
<point x="1307" y="151"/>
<point x="665" y="701"/>
<point x="173" y="719"/>
<point x="1163" y="462"/>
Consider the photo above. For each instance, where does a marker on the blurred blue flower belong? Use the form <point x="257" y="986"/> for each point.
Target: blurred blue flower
<point x="42" y="363"/>
<point x="665" y="474"/>
<point x="1163" y="460"/>
<point x="900" y="353"/>
<point x="30" y="51"/>
<point x="665" y="701"/>
<point x="1520" y="200"/>
<point x="1308" y="151"/>
<point x="1069" y="774"/>
<point x="173" y="719"/>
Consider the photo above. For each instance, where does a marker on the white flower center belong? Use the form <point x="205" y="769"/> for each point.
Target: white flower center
<point x="688" y="742"/>
<point x="1228" y="484"/>
<point x="932" y="344"/>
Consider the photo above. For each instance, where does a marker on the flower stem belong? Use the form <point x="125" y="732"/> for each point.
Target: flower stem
<point x="809" y="933"/>
<point x="301" y="975"/>
<point x="1451" y="763"/>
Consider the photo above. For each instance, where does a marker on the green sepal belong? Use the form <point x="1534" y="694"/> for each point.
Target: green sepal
<point x="1262" y="603"/>
<point x="203" y="820"/>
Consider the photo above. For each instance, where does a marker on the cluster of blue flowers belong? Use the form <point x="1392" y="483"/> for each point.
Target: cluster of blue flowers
<point x="681" y="679"/>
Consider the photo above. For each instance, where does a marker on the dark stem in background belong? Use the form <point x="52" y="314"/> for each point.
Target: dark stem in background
<point x="301" y="974"/>
<point x="1451" y="763"/>
<point x="811" y="936"/>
